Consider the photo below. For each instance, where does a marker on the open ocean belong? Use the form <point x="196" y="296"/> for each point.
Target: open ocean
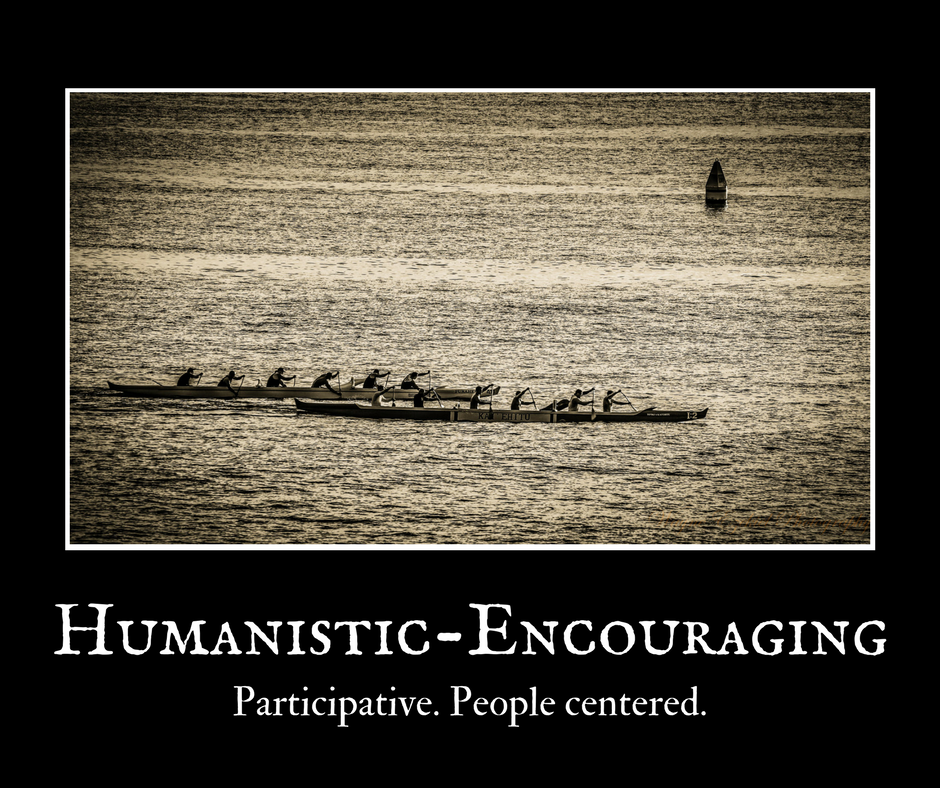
<point x="546" y="240"/>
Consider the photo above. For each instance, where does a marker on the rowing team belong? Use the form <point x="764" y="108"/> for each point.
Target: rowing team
<point x="189" y="378"/>
<point x="482" y="396"/>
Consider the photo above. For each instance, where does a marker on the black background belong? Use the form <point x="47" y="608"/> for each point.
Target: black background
<point x="753" y="704"/>
<point x="822" y="717"/>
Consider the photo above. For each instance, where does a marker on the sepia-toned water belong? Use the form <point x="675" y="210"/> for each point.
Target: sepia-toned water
<point x="553" y="241"/>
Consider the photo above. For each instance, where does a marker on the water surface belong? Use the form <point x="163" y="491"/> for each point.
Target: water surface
<point x="555" y="241"/>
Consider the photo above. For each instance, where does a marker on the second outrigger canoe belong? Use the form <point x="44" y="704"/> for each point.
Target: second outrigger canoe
<point x="282" y="392"/>
<point x="357" y="410"/>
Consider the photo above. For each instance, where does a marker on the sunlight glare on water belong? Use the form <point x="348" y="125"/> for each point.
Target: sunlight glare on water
<point x="555" y="245"/>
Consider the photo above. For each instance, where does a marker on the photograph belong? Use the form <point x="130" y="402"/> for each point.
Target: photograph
<point x="653" y="308"/>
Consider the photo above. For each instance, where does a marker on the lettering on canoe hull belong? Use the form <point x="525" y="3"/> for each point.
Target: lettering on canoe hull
<point x="488" y="415"/>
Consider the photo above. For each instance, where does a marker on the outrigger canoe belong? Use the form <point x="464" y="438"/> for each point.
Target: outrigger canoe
<point x="357" y="410"/>
<point x="282" y="392"/>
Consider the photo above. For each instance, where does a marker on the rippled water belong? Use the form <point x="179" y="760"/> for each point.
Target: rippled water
<point x="556" y="242"/>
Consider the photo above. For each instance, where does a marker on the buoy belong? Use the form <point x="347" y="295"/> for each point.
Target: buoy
<point x="716" y="187"/>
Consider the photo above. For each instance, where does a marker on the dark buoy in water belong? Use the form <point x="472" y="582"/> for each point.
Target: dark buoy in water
<point x="716" y="187"/>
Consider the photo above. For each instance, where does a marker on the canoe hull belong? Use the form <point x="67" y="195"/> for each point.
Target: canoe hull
<point x="263" y="392"/>
<point x="356" y="410"/>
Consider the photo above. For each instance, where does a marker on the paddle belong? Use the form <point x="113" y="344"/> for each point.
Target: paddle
<point x="488" y="388"/>
<point x="620" y="391"/>
<point x="240" y="385"/>
<point x="532" y="397"/>
<point x="521" y="396"/>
